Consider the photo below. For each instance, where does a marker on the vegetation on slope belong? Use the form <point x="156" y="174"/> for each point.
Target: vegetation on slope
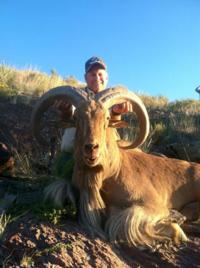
<point x="172" y="124"/>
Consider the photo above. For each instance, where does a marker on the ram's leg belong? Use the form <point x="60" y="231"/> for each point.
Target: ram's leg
<point x="170" y="227"/>
<point x="60" y="192"/>
<point x="143" y="226"/>
<point x="171" y="231"/>
<point x="133" y="226"/>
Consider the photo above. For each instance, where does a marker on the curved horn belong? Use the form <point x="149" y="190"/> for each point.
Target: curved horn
<point x="112" y="96"/>
<point x="67" y="93"/>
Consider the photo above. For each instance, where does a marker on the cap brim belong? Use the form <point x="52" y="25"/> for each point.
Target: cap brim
<point x="95" y="64"/>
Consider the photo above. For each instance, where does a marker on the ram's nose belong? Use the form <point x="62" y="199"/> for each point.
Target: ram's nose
<point x="91" y="147"/>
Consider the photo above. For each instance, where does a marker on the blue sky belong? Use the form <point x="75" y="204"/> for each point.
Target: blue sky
<point x="150" y="46"/>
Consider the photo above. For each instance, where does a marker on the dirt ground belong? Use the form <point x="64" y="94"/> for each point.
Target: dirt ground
<point x="32" y="242"/>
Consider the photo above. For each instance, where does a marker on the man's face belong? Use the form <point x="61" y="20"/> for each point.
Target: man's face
<point x="96" y="79"/>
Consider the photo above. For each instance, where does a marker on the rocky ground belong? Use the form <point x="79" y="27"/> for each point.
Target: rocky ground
<point x="32" y="241"/>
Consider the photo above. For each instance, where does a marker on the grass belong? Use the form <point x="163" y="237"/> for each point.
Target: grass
<point x="4" y="221"/>
<point x="176" y="122"/>
<point x="55" y="215"/>
<point x="30" y="82"/>
<point x="188" y="106"/>
<point x="154" y="101"/>
<point x="44" y="211"/>
<point x="23" y="166"/>
<point x="56" y="248"/>
<point x="27" y="260"/>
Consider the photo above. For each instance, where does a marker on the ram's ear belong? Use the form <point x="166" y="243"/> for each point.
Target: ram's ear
<point x="118" y="124"/>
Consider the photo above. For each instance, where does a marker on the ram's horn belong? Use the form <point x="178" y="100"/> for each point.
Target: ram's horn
<point x="66" y="93"/>
<point x="116" y="95"/>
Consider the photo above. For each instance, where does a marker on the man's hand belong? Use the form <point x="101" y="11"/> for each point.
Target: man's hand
<point x="122" y="108"/>
<point x="61" y="105"/>
<point x="65" y="108"/>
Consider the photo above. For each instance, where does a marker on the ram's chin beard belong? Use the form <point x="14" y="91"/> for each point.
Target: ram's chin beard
<point x="92" y="161"/>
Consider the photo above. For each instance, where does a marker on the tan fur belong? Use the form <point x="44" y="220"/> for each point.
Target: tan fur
<point x="127" y="194"/>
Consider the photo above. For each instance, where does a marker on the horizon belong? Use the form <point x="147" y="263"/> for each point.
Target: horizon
<point x="151" y="48"/>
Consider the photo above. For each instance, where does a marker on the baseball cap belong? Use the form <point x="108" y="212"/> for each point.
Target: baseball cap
<point x="94" y="61"/>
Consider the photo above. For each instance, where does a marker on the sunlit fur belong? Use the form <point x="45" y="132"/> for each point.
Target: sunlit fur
<point x="127" y="194"/>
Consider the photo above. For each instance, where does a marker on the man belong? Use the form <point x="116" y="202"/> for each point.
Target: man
<point x="96" y="75"/>
<point x="96" y="78"/>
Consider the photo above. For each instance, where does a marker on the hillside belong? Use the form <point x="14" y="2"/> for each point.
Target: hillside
<point x="33" y="234"/>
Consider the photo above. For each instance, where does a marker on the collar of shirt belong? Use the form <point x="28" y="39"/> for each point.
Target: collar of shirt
<point x="90" y="93"/>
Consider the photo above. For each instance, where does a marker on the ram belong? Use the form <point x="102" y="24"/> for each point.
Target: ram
<point x="124" y="194"/>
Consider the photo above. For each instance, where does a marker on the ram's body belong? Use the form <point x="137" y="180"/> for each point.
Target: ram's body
<point x="126" y="193"/>
<point x="130" y="190"/>
<point x="150" y="178"/>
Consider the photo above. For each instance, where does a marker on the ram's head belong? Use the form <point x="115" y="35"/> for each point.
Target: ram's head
<point x="92" y="118"/>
